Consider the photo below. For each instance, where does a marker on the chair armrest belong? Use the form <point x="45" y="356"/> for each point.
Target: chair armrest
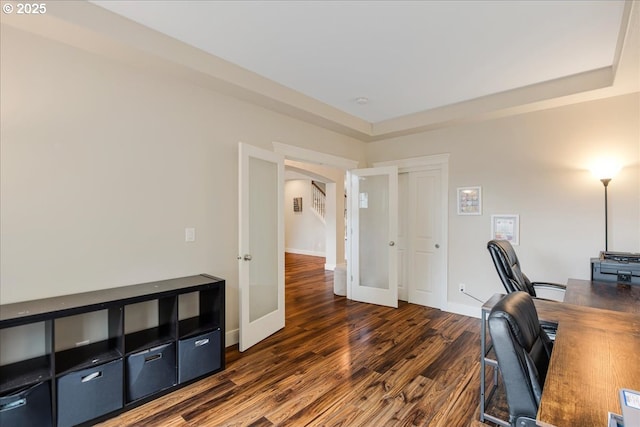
<point x="548" y="285"/>
<point x="525" y="422"/>
<point x="550" y="328"/>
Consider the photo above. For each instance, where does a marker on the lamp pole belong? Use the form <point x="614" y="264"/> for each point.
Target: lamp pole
<point x="605" y="182"/>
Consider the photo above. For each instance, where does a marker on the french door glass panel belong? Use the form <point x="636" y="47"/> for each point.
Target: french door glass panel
<point x="261" y="244"/>
<point x="263" y="226"/>
<point x="374" y="219"/>
<point x="373" y="213"/>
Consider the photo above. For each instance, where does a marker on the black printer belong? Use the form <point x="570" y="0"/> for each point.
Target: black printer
<point x="621" y="267"/>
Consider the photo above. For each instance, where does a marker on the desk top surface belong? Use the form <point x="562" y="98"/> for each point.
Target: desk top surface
<point x="605" y="295"/>
<point x="580" y="316"/>
<point x="587" y="370"/>
<point x="595" y="354"/>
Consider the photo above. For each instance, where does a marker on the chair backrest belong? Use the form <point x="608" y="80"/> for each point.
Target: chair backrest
<point x="508" y="267"/>
<point x="523" y="351"/>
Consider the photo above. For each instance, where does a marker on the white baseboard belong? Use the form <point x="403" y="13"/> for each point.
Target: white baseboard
<point x="232" y="337"/>
<point x="464" y="309"/>
<point x="304" y="252"/>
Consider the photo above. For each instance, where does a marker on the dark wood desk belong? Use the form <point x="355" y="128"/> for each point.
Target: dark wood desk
<point x="589" y="365"/>
<point x="586" y="317"/>
<point x="596" y="352"/>
<point x="606" y="295"/>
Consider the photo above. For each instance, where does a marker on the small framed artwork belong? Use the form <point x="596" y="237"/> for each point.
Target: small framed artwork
<point x="469" y="200"/>
<point x="297" y="204"/>
<point x="506" y="227"/>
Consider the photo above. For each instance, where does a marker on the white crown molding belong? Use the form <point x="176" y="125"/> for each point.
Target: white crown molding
<point x="405" y="165"/>
<point x="89" y="27"/>
<point x="298" y="153"/>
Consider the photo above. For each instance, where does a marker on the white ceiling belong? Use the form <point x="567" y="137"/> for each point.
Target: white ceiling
<point x="403" y="56"/>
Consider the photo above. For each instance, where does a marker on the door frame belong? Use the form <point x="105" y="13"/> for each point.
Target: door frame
<point x="437" y="161"/>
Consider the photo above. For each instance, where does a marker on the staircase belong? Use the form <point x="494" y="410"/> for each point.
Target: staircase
<point x="318" y="199"/>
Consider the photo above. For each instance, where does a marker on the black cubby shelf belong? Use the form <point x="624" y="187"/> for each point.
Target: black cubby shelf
<point x="118" y="371"/>
<point x="24" y="373"/>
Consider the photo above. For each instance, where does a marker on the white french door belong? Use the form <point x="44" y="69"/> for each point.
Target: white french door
<point x="261" y="244"/>
<point x="373" y="222"/>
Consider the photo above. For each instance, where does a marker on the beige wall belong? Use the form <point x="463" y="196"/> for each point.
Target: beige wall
<point x="304" y="231"/>
<point x="536" y="165"/>
<point x="104" y="165"/>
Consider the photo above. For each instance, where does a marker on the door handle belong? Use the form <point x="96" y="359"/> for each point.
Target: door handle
<point x="247" y="257"/>
<point x="437" y="246"/>
<point x="392" y="243"/>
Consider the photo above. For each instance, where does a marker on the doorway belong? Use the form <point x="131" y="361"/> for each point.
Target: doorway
<point x="436" y="163"/>
<point x="311" y="223"/>
<point x="331" y="170"/>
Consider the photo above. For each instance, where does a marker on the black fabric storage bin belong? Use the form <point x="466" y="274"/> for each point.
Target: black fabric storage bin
<point x="89" y="393"/>
<point x="29" y="406"/>
<point x="198" y="356"/>
<point x="150" y="371"/>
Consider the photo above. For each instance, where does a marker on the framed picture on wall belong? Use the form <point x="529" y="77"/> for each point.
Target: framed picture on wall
<point x="469" y="200"/>
<point x="506" y="227"/>
<point x="297" y="204"/>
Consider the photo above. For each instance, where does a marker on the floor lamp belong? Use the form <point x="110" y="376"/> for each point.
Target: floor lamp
<point x="605" y="182"/>
<point x="605" y="171"/>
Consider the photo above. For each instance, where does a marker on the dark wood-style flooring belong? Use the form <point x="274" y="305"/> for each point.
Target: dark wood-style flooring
<point x="336" y="363"/>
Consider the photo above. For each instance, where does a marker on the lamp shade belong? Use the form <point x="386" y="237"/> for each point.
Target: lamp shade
<point x="605" y="169"/>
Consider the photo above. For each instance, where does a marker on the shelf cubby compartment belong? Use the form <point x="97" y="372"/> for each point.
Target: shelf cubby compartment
<point x="36" y="366"/>
<point x="158" y="320"/>
<point x="200" y="312"/>
<point x="24" y="373"/>
<point x="89" y="351"/>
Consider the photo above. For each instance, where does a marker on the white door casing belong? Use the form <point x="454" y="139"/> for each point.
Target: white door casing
<point x="402" y="243"/>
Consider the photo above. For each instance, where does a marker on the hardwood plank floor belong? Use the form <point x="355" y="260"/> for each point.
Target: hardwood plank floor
<point x="336" y="363"/>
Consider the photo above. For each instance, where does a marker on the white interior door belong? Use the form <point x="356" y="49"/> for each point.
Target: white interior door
<point x="426" y="282"/>
<point x="373" y="213"/>
<point x="261" y="244"/>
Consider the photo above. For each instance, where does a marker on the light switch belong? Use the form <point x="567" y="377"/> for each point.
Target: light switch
<point x="189" y="234"/>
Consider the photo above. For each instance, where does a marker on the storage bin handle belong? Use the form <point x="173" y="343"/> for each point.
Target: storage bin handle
<point x="13" y="405"/>
<point x="202" y="342"/>
<point x="153" y="357"/>
<point x="90" y="377"/>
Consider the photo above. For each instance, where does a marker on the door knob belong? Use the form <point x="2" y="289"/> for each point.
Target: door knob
<point x="392" y="243"/>
<point x="247" y="257"/>
<point x="437" y="246"/>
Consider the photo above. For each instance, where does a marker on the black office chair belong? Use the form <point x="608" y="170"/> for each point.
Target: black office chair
<point x="508" y="266"/>
<point x="523" y="351"/>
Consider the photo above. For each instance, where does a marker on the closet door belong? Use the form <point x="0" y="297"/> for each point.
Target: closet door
<point x="426" y="283"/>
